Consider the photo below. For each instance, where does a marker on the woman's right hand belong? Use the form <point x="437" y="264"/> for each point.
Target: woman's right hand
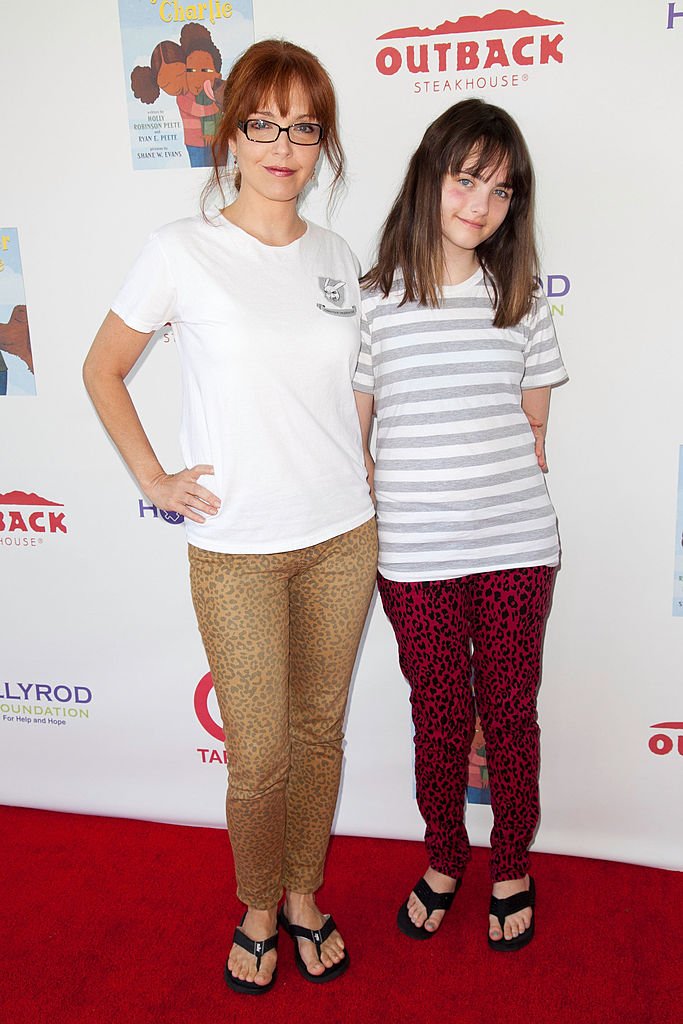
<point x="180" y="492"/>
<point x="114" y="352"/>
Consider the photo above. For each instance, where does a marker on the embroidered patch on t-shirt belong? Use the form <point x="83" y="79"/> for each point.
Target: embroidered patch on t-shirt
<point x="333" y="290"/>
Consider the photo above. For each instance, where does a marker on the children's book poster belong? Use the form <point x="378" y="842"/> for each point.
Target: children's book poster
<point x="17" y="376"/>
<point x="678" y="554"/>
<point x="176" y="58"/>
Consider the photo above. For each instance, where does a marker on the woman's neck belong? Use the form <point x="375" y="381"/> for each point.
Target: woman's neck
<point x="271" y="223"/>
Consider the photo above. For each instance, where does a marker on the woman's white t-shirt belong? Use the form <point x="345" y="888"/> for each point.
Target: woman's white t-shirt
<point x="268" y="338"/>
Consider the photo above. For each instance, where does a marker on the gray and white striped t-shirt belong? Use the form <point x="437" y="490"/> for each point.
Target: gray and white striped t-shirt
<point x="457" y="482"/>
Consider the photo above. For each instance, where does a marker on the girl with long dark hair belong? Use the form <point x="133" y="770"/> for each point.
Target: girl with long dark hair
<point x="457" y="362"/>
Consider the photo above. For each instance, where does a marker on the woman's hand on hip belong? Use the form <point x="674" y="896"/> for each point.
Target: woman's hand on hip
<point x="180" y="492"/>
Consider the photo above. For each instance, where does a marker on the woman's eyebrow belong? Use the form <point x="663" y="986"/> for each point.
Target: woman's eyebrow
<point x="295" y="117"/>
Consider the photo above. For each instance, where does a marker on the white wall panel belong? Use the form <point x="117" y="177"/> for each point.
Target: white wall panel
<point x="106" y="606"/>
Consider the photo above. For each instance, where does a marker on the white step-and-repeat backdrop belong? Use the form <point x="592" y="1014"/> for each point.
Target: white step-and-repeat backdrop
<point x="105" y="706"/>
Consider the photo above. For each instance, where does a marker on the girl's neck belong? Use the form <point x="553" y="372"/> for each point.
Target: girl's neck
<point x="271" y="223"/>
<point x="459" y="267"/>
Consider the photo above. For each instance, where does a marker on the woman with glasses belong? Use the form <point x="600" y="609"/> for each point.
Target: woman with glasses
<point x="264" y="307"/>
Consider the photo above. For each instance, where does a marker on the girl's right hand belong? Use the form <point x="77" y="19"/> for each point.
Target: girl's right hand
<point x="180" y="492"/>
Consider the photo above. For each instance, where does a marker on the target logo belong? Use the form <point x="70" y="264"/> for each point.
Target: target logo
<point x="208" y="716"/>
<point x="208" y="719"/>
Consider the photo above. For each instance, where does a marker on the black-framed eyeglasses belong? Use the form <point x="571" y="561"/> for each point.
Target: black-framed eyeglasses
<point x="304" y="133"/>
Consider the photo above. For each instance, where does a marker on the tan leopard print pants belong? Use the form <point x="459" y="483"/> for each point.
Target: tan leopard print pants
<point x="281" y="633"/>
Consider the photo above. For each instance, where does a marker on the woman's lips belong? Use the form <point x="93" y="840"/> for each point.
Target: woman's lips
<point x="280" y="172"/>
<point x="470" y="223"/>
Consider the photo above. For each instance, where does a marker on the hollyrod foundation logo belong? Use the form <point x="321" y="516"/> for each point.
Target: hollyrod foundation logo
<point x="666" y="742"/>
<point x="209" y="720"/>
<point x="495" y="51"/>
<point x="674" y="11"/>
<point x="27" y="520"/>
<point x="42" y="704"/>
<point x="556" y="287"/>
<point x="174" y="518"/>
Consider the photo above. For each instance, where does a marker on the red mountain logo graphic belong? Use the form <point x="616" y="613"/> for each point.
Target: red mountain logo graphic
<point x="25" y="519"/>
<point x="496" y="21"/>
<point x="22" y="498"/>
<point x="488" y="49"/>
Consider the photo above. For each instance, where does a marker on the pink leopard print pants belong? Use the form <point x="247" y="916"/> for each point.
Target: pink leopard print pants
<point x="486" y="629"/>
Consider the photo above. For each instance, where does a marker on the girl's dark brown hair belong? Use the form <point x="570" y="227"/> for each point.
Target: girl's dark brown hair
<point x="477" y="137"/>
<point x="143" y="81"/>
<point x="273" y="69"/>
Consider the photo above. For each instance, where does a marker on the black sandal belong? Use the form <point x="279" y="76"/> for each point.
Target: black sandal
<point x="257" y="948"/>
<point x="316" y="936"/>
<point x="431" y="901"/>
<point x="502" y="908"/>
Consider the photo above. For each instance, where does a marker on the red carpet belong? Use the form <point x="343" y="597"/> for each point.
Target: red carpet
<point x="108" y="920"/>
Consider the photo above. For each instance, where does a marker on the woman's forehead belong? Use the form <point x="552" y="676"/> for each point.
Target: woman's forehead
<point x="295" y="102"/>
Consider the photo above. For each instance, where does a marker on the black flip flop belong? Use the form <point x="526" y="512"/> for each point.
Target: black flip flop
<point x="316" y="936"/>
<point x="258" y="948"/>
<point x="502" y="908"/>
<point x="431" y="901"/>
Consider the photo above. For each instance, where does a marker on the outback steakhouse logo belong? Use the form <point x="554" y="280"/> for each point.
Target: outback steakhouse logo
<point x="499" y="46"/>
<point x="668" y="738"/>
<point x="25" y="519"/>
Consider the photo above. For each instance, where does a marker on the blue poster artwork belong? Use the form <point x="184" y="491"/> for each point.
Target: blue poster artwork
<point x="176" y="58"/>
<point x="17" y="373"/>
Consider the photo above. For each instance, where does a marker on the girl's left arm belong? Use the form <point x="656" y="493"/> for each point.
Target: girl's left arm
<point x="365" y="406"/>
<point x="536" y="404"/>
